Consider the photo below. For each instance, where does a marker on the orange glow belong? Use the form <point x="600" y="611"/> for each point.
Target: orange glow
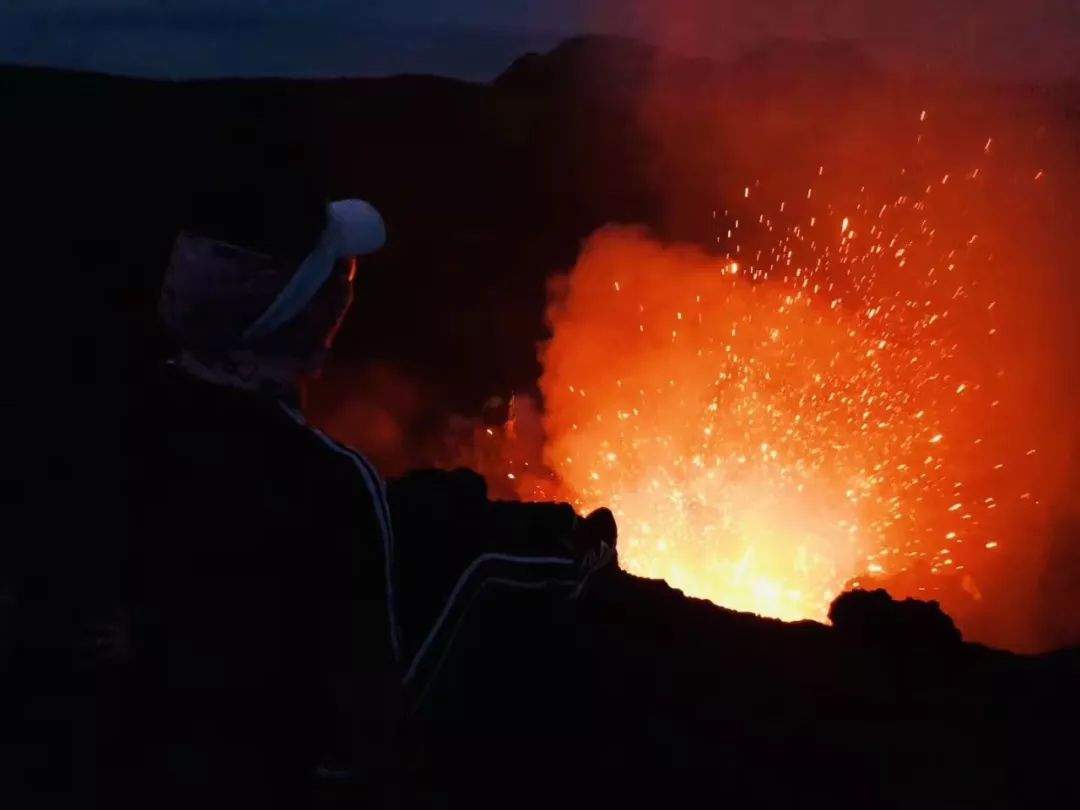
<point x="761" y="449"/>
<point x="824" y="411"/>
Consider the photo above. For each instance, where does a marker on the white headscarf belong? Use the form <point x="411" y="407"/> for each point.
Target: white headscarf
<point x="353" y="228"/>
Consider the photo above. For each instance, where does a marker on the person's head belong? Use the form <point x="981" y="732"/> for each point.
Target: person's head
<point x="230" y="306"/>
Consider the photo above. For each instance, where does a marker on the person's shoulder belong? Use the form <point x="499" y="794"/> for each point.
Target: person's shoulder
<point x="339" y="463"/>
<point x="343" y="483"/>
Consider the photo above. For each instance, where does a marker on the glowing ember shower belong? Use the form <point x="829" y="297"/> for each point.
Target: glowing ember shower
<point x="768" y="427"/>
<point x="714" y="415"/>
<point x="869" y="377"/>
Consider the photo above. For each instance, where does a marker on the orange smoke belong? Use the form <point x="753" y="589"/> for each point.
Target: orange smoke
<point x="760" y="442"/>
<point x="676" y="390"/>
<point x="870" y="375"/>
<point x="857" y="388"/>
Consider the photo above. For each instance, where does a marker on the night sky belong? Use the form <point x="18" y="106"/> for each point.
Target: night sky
<point x="476" y="39"/>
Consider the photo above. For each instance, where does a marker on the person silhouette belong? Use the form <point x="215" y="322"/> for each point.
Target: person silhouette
<point x="265" y="557"/>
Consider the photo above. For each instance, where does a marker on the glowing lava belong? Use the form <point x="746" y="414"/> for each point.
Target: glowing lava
<point x="738" y="430"/>
<point x="869" y="378"/>
<point x="767" y="431"/>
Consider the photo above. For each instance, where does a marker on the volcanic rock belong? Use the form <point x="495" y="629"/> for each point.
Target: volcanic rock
<point x="876" y="619"/>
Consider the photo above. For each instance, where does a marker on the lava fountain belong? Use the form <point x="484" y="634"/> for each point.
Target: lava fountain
<point x="829" y="401"/>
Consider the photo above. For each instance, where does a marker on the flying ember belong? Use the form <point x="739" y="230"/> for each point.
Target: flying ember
<point x="854" y="373"/>
<point x="769" y="436"/>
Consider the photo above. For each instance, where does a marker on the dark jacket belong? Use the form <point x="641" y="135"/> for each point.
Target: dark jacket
<point x="264" y="563"/>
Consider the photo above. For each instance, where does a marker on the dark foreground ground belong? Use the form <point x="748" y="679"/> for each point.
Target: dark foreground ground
<point x="634" y="693"/>
<point x="627" y="693"/>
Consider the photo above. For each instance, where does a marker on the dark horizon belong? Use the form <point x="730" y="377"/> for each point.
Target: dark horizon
<point x="477" y="41"/>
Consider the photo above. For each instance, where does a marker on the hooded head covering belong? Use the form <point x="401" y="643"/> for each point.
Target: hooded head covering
<point x="218" y="297"/>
